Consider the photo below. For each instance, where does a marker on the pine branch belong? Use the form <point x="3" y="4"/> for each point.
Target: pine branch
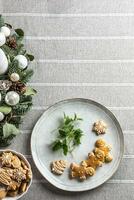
<point x="4" y="142"/>
<point x="14" y="67"/>
<point x="8" y="51"/>
<point x="3" y="94"/>
<point x="24" y="99"/>
<point x="27" y="75"/>
<point x="21" y="109"/>
<point x="13" y="117"/>
<point x="1" y="21"/>
<point x="16" y="120"/>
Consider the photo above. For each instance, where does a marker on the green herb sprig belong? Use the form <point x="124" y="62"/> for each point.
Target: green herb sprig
<point x="69" y="136"/>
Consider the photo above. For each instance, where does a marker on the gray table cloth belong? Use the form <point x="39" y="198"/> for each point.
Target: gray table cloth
<point x="83" y="48"/>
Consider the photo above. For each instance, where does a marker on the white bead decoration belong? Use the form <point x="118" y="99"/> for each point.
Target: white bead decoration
<point x="14" y="77"/>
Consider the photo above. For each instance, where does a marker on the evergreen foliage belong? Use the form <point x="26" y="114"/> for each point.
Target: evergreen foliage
<point x="9" y="127"/>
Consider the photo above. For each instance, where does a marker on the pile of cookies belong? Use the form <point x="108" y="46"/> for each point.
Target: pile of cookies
<point x="101" y="154"/>
<point x="15" y="175"/>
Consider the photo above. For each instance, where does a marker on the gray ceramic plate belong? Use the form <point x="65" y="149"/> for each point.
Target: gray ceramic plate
<point x="43" y="135"/>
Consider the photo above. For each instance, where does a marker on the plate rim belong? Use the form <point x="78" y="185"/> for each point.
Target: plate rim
<point x="110" y="113"/>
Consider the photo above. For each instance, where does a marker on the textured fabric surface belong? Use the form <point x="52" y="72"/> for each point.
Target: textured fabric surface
<point x="83" y="48"/>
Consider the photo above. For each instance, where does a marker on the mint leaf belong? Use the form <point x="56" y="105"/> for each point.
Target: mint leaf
<point x="57" y="145"/>
<point x="69" y="136"/>
<point x="65" y="149"/>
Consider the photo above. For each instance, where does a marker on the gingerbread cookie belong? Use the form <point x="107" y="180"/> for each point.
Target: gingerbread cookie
<point x="100" y="155"/>
<point x="81" y="172"/>
<point x="103" y="146"/>
<point x="92" y="161"/>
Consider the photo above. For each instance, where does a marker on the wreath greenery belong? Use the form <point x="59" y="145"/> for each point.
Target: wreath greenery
<point x="15" y="95"/>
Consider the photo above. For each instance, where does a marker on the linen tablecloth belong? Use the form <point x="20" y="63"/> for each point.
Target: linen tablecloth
<point x="83" y="48"/>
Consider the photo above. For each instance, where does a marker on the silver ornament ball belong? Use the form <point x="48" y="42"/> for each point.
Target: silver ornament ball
<point x="14" y="77"/>
<point x="3" y="61"/>
<point x="2" y="39"/>
<point x="22" y="61"/>
<point x="12" y="98"/>
<point x="5" y="30"/>
<point x="1" y="116"/>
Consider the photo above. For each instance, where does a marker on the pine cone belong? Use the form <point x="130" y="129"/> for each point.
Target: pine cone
<point x="18" y="87"/>
<point x="5" y="84"/>
<point x="11" y="42"/>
